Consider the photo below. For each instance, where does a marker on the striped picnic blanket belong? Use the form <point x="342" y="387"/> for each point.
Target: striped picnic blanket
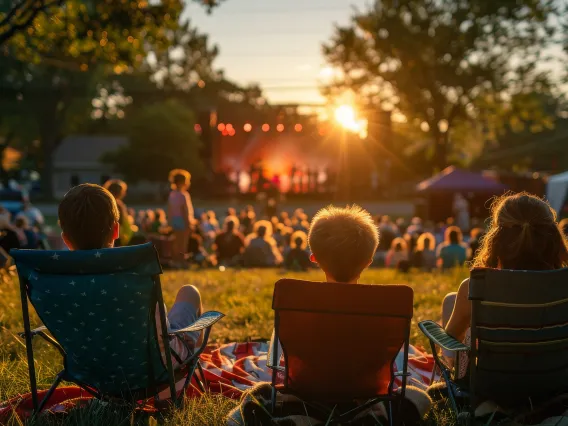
<point x="229" y="369"/>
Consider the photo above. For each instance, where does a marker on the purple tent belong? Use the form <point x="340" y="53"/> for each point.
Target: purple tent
<point x="437" y="193"/>
<point x="456" y="180"/>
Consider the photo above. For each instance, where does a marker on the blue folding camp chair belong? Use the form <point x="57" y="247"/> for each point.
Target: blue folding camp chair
<point x="100" y="308"/>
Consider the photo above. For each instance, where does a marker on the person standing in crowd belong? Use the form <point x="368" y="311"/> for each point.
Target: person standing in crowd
<point x="461" y="212"/>
<point x="118" y="189"/>
<point x="180" y="213"/>
<point x="451" y="252"/>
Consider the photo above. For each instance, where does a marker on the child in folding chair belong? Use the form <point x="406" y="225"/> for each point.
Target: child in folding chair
<point x="89" y="219"/>
<point x="524" y="235"/>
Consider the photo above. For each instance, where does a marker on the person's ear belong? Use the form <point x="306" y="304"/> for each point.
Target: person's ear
<point x="67" y="242"/>
<point x="115" y="231"/>
<point x="313" y="259"/>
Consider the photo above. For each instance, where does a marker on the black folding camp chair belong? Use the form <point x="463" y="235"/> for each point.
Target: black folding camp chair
<point x="519" y="335"/>
<point x="99" y="307"/>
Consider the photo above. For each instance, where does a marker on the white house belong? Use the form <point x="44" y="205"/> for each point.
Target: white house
<point x="77" y="160"/>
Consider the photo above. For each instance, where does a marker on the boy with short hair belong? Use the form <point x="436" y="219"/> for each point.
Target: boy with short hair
<point x="343" y="242"/>
<point x="89" y="216"/>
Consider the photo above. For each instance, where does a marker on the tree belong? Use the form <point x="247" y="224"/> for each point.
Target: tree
<point x="162" y="138"/>
<point x="18" y="16"/>
<point x="55" y="64"/>
<point x="448" y="67"/>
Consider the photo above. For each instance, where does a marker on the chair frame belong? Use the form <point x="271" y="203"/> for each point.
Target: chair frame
<point x="274" y="364"/>
<point x="191" y="363"/>
<point x="438" y="337"/>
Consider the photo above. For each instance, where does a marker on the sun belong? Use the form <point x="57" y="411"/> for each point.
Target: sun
<point x="346" y="117"/>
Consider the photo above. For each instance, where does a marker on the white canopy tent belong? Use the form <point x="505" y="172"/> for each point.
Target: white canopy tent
<point x="557" y="190"/>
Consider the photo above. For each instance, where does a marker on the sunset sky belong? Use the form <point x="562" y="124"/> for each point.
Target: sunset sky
<point x="274" y="42"/>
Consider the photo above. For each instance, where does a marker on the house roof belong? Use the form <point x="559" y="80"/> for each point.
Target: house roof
<point x="85" y="150"/>
<point x="453" y="179"/>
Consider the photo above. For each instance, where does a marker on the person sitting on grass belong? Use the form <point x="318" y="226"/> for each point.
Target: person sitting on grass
<point x="88" y="216"/>
<point x="425" y="256"/>
<point x="524" y="235"/>
<point x="298" y="259"/>
<point x="451" y="252"/>
<point x="229" y="244"/>
<point x="343" y="242"/>
<point x="30" y="239"/>
<point x="398" y="253"/>
<point x="260" y="250"/>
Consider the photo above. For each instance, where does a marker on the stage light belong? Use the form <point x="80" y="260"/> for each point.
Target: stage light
<point x="221" y="127"/>
<point x="201" y="84"/>
<point x="298" y="127"/>
<point x="280" y="128"/>
<point x="231" y="132"/>
<point x="197" y="128"/>
<point x="265" y="127"/>
<point x="247" y="127"/>
<point x="230" y="127"/>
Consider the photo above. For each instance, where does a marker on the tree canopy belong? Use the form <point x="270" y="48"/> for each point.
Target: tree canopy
<point x="161" y="138"/>
<point x="450" y="68"/>
<point x="51" y="72"/>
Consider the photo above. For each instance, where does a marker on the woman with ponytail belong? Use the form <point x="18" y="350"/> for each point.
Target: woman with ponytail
<point x="523" y="235"/>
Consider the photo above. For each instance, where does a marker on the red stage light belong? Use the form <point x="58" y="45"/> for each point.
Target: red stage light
<point x="247" y="127"/>
<point x="231" y="132"/>
<point x="197" y="128"/>
<point x="280" y="127"/>
<point x="265" y="127"/>
<point x="221" y="127"/>
<point x="230" y="127"/>
<point x="298" y="127"/>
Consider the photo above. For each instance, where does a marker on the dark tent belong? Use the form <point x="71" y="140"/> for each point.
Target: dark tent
<point x="437" y="193"/>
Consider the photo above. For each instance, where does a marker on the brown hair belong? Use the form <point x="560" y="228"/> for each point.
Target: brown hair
<point x="116" y="187"/>
<point x="87" y="215"/>
<point x="523" y="234"/>
<point x="343" y="241"/>
<point x="179" y="178"/>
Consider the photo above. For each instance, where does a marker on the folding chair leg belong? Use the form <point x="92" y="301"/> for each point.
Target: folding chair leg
<point x="273" y="402"/>
<point x="202" y="374"/>
<point x="49" y="392"/>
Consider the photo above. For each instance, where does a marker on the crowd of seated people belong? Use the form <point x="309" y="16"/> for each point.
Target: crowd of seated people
<point x="245" y="239"/>
<point x="424" y="245"/>
<point x="22" y="231"/>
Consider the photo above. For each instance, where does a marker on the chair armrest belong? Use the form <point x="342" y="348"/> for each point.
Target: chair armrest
<point x="203" y="322"/>
<point x="436" y="334"/>
<point x="34" y="332"/>
<point x="41" y="331"/>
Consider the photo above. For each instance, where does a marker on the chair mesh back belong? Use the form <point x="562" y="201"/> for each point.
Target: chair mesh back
<point x="340" y="340"/>
<point x="521" y="325"/>
<point x="99" y="305"/>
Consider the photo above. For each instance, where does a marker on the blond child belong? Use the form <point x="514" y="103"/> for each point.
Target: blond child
<point x="343" y="242"/>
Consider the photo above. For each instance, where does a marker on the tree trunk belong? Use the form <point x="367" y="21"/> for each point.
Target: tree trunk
<point x="441" y="151"/>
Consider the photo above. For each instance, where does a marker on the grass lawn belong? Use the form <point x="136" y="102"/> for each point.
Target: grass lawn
<point x="244" y="296"/>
